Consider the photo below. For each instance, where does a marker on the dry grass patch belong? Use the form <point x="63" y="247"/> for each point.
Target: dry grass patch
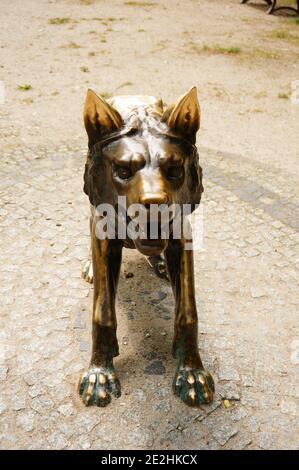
<point x="215" y="49"/>
<point x="57" y="21"/>
<point x="71" y="45"/>
<point x="283" y="96"/>
<point x="24" y="87"/>
<point x="141" y="4"/>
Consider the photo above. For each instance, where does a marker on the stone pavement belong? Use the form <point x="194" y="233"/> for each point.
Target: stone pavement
<point x="247" y="303"/>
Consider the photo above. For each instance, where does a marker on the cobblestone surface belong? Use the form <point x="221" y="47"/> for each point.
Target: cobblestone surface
<point x="247" y="302"/>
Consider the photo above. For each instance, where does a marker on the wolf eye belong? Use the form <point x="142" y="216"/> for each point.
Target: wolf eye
<point x="175" y="172"/>
<point x="123" y="172"/>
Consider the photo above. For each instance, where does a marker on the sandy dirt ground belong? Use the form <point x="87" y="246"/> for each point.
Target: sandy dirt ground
<point x="244" y="63"/>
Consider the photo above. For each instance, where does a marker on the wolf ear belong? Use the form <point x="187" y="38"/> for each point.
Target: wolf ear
<point x="184" y="117"/>
<point x="100" y="118"/>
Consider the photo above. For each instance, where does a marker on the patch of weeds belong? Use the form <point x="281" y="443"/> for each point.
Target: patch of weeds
<point x="218" y="92"/>
<point x="223" y="50"/>
<point x="261" y="94"/>
<point x="28" y="100"/>
<point x="105" y="94"/>
<point x="233" y="51"/>
<point x="256" y="110"/>
<point x="103" y="40"/>
<point x="24" y="87"/>
<point x="55" y="93"/>
<point x="248" y="20"/>
<point x="283" y="96"/>
<point x="71" y="45"/>
<point x="111" y="19"/>
<point x="264" y="54"/>
<point x="84" y="69"/>
<point x="63" y="20"/>
<point x="91" y="54"/>
<point x="86" y="2"/>
<point x="141" y="30"/>
<point x="109" y="30"/>
<point x="125" y="84"/>
<point x="140" y="4"/>
<point x="286" y="36"/>
<point x="217" y="49"/>
<point x="280" y="35"/>
<point x="296" y="21"/>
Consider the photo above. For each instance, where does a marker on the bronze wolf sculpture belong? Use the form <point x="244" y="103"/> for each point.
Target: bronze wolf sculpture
<point x="147" y="155"/>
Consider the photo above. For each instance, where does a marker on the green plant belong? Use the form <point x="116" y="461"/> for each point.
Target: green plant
<point x="140" y="4"/>
<point x="62" y="20"/>
<point x="283" y="96"/>
<point x="24" y="87"/>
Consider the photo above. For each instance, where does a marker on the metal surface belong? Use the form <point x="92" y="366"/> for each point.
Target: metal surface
<point x="273" y="8"/>
<point x="148" y="155"/>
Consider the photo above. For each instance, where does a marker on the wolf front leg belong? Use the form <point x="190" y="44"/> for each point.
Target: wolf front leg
<point x="192" y="383"/>
<point x="100" y="382"/>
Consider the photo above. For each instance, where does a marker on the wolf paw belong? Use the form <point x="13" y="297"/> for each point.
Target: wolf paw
<point x="87" y="272"/>
<point x="98" y="385"/>
<point x="193" y="386"/>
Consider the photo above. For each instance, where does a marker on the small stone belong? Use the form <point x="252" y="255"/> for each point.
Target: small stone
<point x="295" y="352"/>
<point x="247" y="381"/>
<point x="288" y="407"/>
<point x="238" y="414"/>
<point x="83" y="346"/>
<point x="229" y="391"/>
<point x="129" y="274"/>
<point x="66" y="410"/>
<point x="277" y="224"/>
<point x="222" y="265"/>
<point x="139" y="395"/>
<point x="242" y="442"/>
<point x="40" y="403"/>
<point x="19" y="402"/>
<point x="141" y="438"/>
<point x="79" y="323"/>
<point x="162" y="295"/>
<point x="228" y="373"/>
<point x="3" y="407"/>
<point x="227" y="403"/>
<point x="264" y="440"/>
<point x="26" y="420"/>
<point x="257" y="292"/>
<point x="35" y="390"/>
<point x="224" y="433"/>
<point x="3" y="372"/>
<point x="251" y="252"/>
<point x="155" y="368"/>
<point x="57" y="441"/>
<point x="163" y="406"/>
<point x="232" y="199"/>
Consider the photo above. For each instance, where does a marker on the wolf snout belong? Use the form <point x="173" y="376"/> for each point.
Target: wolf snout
<point x="153" y="198"/>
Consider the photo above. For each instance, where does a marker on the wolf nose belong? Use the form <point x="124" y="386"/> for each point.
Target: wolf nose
<point x="153" y="198"/>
